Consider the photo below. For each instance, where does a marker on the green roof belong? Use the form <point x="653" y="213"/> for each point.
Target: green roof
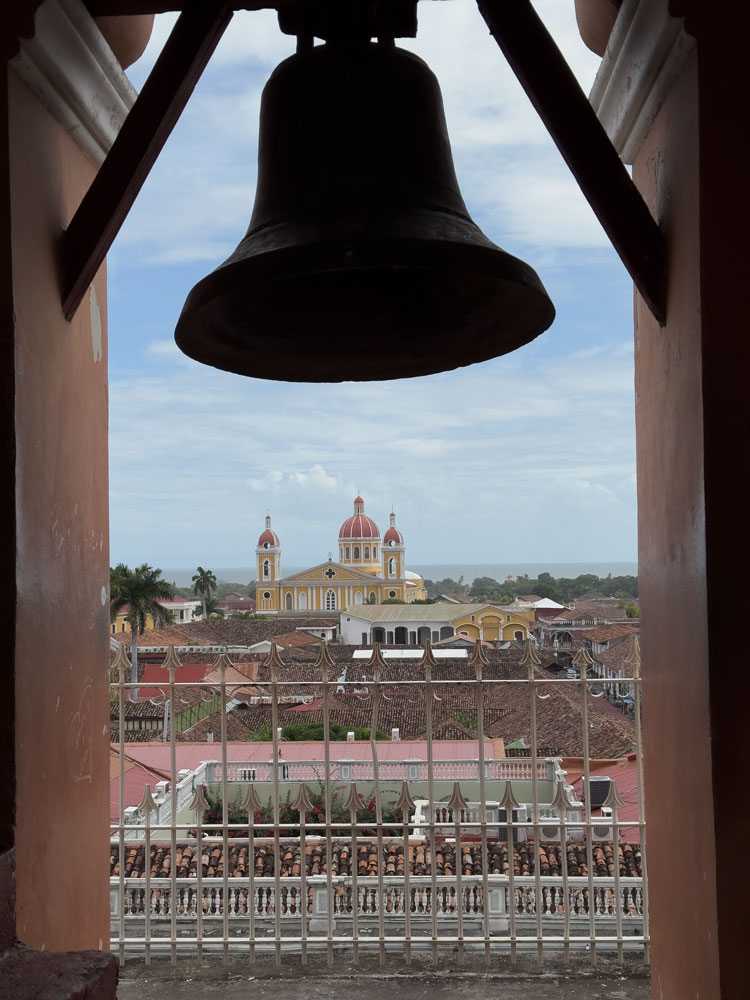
<point x="413" y="612"/>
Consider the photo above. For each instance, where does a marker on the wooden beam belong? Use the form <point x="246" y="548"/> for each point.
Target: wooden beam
<point x="571" y="121"/>
<point x="142" y="136"/>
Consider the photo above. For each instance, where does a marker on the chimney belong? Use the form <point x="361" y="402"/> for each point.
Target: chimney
<point x="395" y="735"/>
<point x="350" y="736"/>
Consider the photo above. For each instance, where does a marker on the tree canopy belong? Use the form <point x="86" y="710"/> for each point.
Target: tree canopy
<point x="204" y="584"/>
<point x="561" y="589"/>
<point x="136" y="593"/>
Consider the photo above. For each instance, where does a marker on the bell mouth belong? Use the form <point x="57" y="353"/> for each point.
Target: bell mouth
<point x="366" y="310"/>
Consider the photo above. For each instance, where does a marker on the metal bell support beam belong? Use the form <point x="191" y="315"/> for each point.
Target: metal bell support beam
<point x="531" y="52"/>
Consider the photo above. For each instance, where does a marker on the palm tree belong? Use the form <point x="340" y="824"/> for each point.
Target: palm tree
<point x="204" y="583"/>
<point x="137" y="593"/>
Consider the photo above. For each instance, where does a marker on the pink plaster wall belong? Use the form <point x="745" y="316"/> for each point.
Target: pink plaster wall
<point x="62" y="552"/>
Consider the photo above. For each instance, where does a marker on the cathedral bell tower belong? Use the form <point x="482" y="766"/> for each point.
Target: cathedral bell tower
<point x="394" y="552"/>
<point x="268" y="555"/>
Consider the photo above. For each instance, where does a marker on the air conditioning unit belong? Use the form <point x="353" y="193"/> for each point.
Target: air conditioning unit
<point x="599" y="790"/>
<point x="603" y="830"/>
<point x="520" y="834"/>
<point x="246" y="774"/>
<point x="550" y="831"/>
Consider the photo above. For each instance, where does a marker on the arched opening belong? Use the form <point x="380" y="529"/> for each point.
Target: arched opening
<point x="358" y="598"/>
<point x="356" y="553"/>
<point x="378" y="635"/>
<point x="367" y="551"/>
<point x="373" y="597"/>
<point x="392" y="566"/>
<point x="446" y="632"/>
<point x="266" y="569"/>
<point x="348" y="551"/>
<point x="330" y="600"/>
<point x="302" y="601"/>
<point x="423" y="634"/>
<point x="401" y="635"/>
<point x="288" y="602"/>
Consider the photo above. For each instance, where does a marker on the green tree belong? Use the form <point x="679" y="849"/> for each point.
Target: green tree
<point x="137" y="594"/>
<point x="483" y="586"/>
<point x="204" y="583"/>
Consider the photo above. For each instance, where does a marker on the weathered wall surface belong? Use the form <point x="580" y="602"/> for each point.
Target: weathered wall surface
<point x="62" y="551"/>
<point x="672" y="563"/>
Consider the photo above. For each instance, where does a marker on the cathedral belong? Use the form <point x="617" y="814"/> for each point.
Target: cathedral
<point x="368" y="571"/>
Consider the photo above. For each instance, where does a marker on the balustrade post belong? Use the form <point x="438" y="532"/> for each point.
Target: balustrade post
<point x="498" y="909"/>
<point x="320" y="904"/>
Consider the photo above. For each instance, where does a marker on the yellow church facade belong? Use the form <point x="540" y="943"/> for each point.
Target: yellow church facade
<point x="369" y="570"/>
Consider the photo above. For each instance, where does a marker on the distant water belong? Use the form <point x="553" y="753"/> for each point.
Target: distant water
<point x="437" y="571"/>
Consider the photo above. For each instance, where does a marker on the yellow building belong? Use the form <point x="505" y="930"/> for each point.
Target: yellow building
<point x="494" y="624"/>
<point x="369" y="570"/>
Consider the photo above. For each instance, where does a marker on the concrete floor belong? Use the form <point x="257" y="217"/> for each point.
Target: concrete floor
<point x="162" y="982"/>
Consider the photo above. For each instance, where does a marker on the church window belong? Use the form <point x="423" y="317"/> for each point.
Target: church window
<point x="391" y="593"/>
<point x="330" y="600"/>
<point x="267" y="594"/>
<point x="374" y="552"/>
<point x="356" y="552"/>
<point x="288" y="601"/>
<point x="372" y="597"/>
<point x="358" y="598"/>
<point x="391" y="567"/>
<point x="347" y="552"/>
<point x="367" y="551"/>
<point x="266" y="569"/>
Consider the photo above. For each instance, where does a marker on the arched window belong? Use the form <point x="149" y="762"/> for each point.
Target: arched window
<point x="358" y="598"/>
<point x="288" y="602"/>
<point x="266" y="569"/>
<point x="372" y="598"/>
<point x="391" y="566"/>
<point x="330" y="600"/>
<point x="302" y="601"/>
<point x="347" y="553"/>
<point x="374" y="552"/>
<point x="356" y="553"/>
<point x="367" y="551"/>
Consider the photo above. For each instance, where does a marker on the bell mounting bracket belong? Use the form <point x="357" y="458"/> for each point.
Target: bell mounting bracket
<point x="527" y="45"/>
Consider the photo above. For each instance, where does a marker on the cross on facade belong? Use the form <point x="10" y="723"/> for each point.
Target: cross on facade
<point x="330" y="573"/>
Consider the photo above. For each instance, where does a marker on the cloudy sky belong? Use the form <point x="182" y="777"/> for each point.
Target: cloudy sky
<point x="530" y="457"/>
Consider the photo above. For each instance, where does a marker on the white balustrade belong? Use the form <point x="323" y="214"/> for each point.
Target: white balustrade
<point x="393" y="900"/>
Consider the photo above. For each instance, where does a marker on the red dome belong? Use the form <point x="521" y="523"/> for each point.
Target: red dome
<point x="268" y="537"/>
<point x="359" y="526"/>
<point x="393" y="535"/>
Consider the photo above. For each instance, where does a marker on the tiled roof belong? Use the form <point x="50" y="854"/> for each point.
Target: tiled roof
<point x="224" y="631"/>
<point x="550" y="857"/>
<point x="606" y="633"/>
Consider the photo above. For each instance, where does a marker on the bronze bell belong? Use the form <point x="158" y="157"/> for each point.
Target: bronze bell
<point x="361" y="261"/>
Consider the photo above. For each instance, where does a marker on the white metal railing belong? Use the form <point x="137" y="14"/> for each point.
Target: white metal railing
<point x="408" y="769"/>
<point x="509" y="907"/>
